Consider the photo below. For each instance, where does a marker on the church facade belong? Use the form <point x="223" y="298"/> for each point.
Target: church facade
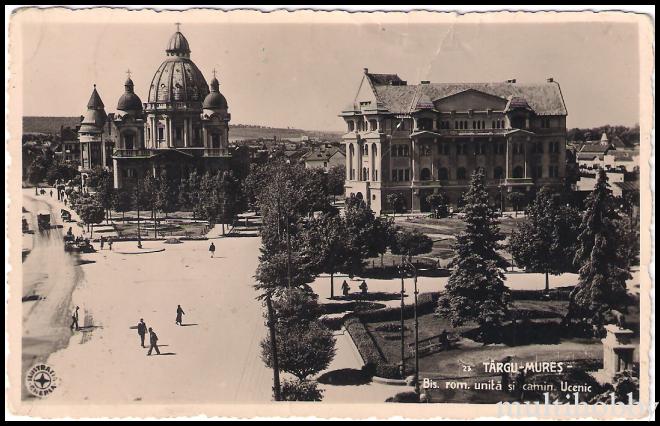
<point x="419" y="139"/>
<point x="183" y="126"/>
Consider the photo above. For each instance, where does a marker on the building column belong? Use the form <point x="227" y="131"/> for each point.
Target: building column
<point x="186" y="135"/>
<point x="507" y="173"/>
<point x="168" y="131"/>
<point x="347" y="161"/>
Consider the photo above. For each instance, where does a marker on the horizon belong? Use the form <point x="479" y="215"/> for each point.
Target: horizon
<point x="302" y="75"/>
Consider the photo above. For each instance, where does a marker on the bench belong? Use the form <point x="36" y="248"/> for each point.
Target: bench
<point x="432" y="344"/>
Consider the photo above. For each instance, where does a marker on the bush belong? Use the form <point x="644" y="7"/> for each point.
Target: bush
<point x="390" y="327"/>
<point x="301" y="390"/>
<point x="426" y="303"/>
<point x="406" y="397"/>
<point x="332" y="323"/>
<point x="374" y="360"/>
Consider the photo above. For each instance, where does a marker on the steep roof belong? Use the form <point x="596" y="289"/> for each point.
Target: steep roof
<point x="543" y="98"/>
<point x="321" y="155"/>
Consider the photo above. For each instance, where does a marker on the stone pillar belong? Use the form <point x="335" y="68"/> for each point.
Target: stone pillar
<point x="618" y="353"/>
<point x="186" y="134"/>
<point x="509" y="159"/>
<point x="168" y="131"/>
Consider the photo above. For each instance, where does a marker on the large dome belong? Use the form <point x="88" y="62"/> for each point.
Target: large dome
<point x="178" y="79"/>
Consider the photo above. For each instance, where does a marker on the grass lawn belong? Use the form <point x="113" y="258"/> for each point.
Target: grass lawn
<point x="166" y="228"/>
<point x="539" y="339"/>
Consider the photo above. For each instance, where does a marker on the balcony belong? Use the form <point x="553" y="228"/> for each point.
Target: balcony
<point x="518" y="181"/>
<point x="132" y="153"/>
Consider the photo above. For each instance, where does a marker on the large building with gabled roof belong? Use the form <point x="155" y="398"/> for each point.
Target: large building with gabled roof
<point x="430" y="137"/>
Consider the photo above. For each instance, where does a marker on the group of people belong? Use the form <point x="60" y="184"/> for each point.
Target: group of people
<point x="103" y="241"/>
<point x="142" y="330"/>
<point x="345" y="288"/>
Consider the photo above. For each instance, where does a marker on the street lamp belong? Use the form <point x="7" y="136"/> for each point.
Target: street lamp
<point x="406" y="263"/>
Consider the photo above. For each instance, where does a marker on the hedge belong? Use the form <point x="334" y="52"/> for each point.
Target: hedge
<point x="374" y="360"/>
<point x="426" y="304"/>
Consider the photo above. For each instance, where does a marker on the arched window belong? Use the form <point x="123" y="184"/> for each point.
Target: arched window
<point x="425" y="174"/>
<point x="351" y="125"/>
<point x="518" y="172"/>
<point x="461" y="173"/>
<point x="365" y="173"/>
<point x="129" y="139"/>
<point x="443" y="173"/>
<point x="498" y="173"/>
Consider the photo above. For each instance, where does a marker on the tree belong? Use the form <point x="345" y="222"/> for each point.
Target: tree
<point x="397" y="202"/>
<point x="439" y="203"/>
<point x="327" y="245"/>
<point x="411" y="243"/>
<point x="336" y="178"/>
<point x="516" y="199"/>
<point x="301" y="390"/>
<point x="105" y="191"/>
<point x="122" y="201"/>
<point x="475" y="290"/>
<point x="149" y="196"/>
<point x="367" y="235"/>
<point x="166" y="194"/>
<point x="91" y="211"/>
<point x="228" y="194"/>
<point x="302" y="350"/>
<point x="604" y="268"/>
<point x="545" y="242"/>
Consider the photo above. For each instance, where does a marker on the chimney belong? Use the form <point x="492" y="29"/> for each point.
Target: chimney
<point x="550" y="80"/>
<point x="425" y="82"/>
<point x="366" y="70"/>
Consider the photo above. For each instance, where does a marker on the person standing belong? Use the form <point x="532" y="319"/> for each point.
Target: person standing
<point x="363" y="287"/>
<point x="110" y="243"/>
<point x="102" y="241"/>
<point x="212" y="249"/>
<point x="51" y="193"/>
<point x="142" y="331"/>
<point x="345" y="288"/>
<point x="153" y="342"/>
<point x="179" y="313"/>
<point x="74" y="319"/>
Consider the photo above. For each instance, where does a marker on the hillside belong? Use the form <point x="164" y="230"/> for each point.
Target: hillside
<point x="236" y="132"/>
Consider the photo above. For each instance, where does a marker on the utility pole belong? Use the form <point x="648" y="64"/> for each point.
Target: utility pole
<point x="403" y="290"/>
<point x="416" y="333"/>
<point x="273" y="347"/>
<point x="137" y="203"/>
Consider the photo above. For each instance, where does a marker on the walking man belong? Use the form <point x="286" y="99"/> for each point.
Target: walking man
<point x="212" y="250"/>
<point x="142" y="331"/>
<point x="345" y="288"/>
<point x="74" y="319"/>
<point x="179" y="312"/>
<point x="153" y="341"/>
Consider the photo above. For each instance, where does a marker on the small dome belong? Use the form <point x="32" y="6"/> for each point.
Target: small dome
<point x="129" y="101"/>
<point x="95" y="116"/>
<point x="215" y="99"/>
<point x="178" y="45"/>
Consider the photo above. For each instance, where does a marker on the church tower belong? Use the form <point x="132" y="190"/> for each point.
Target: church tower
<point x="93" y="150"/>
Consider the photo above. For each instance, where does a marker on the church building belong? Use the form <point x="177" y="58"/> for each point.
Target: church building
<point x="183" y="126"/>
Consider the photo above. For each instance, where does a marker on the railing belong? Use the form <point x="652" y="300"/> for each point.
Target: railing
<point x="216" y="152"/>
<point x="132" y="153"/>
<point x="519" y="181"/>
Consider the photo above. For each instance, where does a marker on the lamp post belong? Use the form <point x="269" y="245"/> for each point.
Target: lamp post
<point x="403" y="354"/>
<point x="406" y="263"/>
<point x="137" y="202"/>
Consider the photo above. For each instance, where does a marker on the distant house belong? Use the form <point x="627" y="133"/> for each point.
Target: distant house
<point x="70" y="145"/>
<point x="324" y="158"/>
<point x="608" y="155"/>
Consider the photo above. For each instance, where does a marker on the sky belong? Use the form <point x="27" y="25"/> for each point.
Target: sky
<point x="301" y="75"/>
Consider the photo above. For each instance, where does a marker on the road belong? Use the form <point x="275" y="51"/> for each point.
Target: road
<point x="49" y="278"/>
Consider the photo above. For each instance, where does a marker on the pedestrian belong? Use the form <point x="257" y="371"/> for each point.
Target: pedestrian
<point x="36" y="190"/>
<point x="364" y="287"/>
<point x="110" y="243"/>
<point x="212" y="250"/>
<point x="142" y="331"/>
<point x="51" y="193"/>
<point x="102" y="241"/>
<point x="153" y="342"/>
<point x="74" y="319"/>
<point x="179" y="312"/>
<point x="345" y="288"/>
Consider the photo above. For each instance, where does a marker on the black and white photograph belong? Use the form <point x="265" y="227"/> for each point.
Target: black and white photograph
<point x="240" y="214"/>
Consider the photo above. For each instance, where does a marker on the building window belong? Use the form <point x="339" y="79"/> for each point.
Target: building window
<point x="215" y="140"/>
<point x="394" y="175"/>
<point x="373" y="124"/>
<point x="179" y="133"/>
<point x="553" y="171"/>
<point x="128" y="141"/>
<point x="480" y="149"/>
<point x="518" y="172"/>
<point x="425" y="174"/>
<point x="401" y="175"/>
<point x="407" y="175"/>
<point x="351" y="125"/>
<point x="538" y="171"/>
<point x="443" y="173"/>
<point x="161" y="133"/>
<point x="461" y="173"/>
<point x="498" y="173"/>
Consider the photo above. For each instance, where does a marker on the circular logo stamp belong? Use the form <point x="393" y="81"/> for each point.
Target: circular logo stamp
<point x="41" y="380"/>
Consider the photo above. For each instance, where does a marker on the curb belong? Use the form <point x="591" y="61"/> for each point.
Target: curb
<point x="393" y="382"/>
<point x="355" y="349"/>
<point x="139" y="252"/>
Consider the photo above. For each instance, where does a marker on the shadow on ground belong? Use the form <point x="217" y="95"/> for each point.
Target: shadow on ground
<point x="344" y="377"/>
